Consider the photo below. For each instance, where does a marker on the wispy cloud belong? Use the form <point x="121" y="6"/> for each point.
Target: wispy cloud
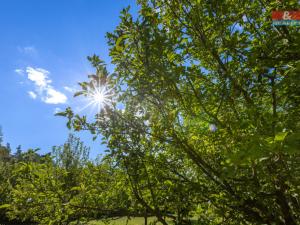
<point x="46" y="92"/>
<point x="28" y="50"/>
<point x="57" y="110"/>
<point x="70" y="89"/>
<point x="19" y="71"/>
<point x="32" y="94"/>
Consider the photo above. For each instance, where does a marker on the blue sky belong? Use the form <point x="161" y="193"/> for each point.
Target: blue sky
<point x="44" y="45"/>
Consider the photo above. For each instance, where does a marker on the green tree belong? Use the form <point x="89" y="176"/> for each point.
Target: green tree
<point x="18" y="154"/>
<point x="44" y="189"/>
<point x="1" y="136"/>
<point x="216" y="81"/>
<point x="6" y="168"/>
<point x="4" y="150"/>
<point x="73" y="154"/>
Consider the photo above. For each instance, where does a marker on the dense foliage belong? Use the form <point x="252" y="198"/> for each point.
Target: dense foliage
<point x="210" y="96"/>
<point x="203" y="123"/>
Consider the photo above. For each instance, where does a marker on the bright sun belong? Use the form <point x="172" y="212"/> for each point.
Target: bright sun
<point x="98" y="96"/>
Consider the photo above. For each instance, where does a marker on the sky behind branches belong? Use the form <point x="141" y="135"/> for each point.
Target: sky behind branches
<point x="44" y="45"/>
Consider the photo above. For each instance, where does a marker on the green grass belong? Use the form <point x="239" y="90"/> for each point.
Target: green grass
<point x="123" y="220"/>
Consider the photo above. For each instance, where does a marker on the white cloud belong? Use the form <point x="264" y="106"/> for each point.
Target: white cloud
<point x="54" y="97"/>
<point x="38" y="76"/>
<point x="46" y="92"/>
<point x="32" y="94"/>
<point x="19" y="71"/>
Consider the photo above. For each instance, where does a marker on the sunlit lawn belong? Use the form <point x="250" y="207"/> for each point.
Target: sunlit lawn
<point x="132" y="221"/>
<point x="123" y="221"/>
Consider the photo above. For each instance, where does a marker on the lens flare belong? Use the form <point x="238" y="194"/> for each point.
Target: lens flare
<point x="98" y="96"/>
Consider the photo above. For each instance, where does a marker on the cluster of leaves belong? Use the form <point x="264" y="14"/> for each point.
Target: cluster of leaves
<point x="209" y="116"/>
<point x="61" y="187"/>
<point x="8" y="164"/>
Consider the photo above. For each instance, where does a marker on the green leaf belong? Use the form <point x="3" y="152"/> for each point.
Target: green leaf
<point x="119" y="40"/>
<point x="280" y="136"/>
<point x="61" y="114"/>
<point x="78" y="93"/>
<point x="4" y="206"/>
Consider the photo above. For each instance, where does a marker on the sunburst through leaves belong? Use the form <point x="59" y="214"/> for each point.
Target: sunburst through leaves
<point x="98" y="96"/>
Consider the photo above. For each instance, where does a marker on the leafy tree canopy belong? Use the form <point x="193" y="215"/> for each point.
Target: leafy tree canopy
<point x="212" y="83"/>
